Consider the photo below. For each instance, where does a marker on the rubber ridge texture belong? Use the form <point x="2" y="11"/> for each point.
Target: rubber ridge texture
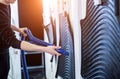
<point x="66" y="63"/>
<point x="100" y="42"/>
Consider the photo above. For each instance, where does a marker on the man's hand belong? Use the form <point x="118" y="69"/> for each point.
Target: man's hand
<point x="52" y="50"/>
<point x="20" y="30"/>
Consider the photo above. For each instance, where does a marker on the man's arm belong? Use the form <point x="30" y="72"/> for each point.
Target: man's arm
<point x="20" y="30"/>
<point x="32" y="47"/>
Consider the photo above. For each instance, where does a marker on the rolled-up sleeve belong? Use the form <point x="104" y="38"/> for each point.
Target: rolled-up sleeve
<point x="7" y="36"/>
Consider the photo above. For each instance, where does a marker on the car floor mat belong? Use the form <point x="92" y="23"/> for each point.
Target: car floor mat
<point x="66" y="68"/>
<point x="100" y="42"/>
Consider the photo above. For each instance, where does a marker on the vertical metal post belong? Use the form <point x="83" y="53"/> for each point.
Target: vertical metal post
<point x="24" y="63"/>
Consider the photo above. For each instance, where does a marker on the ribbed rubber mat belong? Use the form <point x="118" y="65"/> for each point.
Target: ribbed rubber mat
<point x="66" y="63"/>
<point x="100" y="42"/>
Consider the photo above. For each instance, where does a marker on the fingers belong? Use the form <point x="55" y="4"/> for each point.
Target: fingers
<point x="57" y="47"/>
<point x="58" y="54"/>
<point x="22" y="31"/>
<point x="25" y="28"/>
<point x="24" y="34"/>
<point x="52" y="50"/>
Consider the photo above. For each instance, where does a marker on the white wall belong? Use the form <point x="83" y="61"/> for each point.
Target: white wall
<point x="75" y="23"/>
<point x="77" y="11"/>
<point x="15" y="65"/>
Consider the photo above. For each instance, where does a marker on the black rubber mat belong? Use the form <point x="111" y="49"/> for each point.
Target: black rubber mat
<point x="100" y="42"/>
<point x="66" y="63"/>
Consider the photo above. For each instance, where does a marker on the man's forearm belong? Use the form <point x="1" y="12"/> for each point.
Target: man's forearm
<point x="15" y="28"/>
<point x="31" y="47"/>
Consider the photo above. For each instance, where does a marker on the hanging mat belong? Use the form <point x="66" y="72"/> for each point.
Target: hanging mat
<point x="100" y="42"/>
<point x="66" y="63"/>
